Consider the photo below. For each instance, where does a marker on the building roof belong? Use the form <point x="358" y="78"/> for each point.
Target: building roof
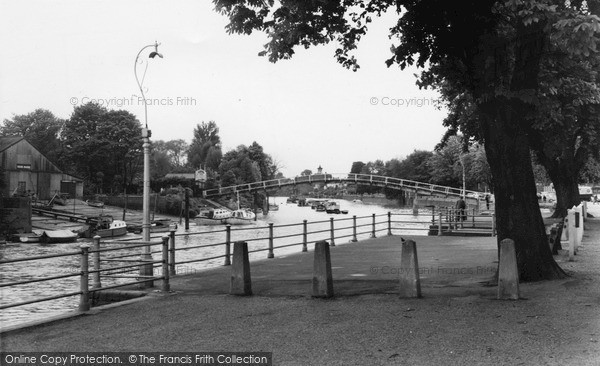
<point x="8" y="141"/>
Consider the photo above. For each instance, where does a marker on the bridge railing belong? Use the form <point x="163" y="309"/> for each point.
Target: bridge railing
<point x="362" y="179"/>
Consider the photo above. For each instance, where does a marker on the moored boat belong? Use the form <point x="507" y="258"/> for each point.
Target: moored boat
<point x="98" y="204"/>
<point x="28" y="238"/>
<point x="107" y="227"/>
<point x="58" y="236"/>
<point x="241" y="217"/>
<point x="215" y="216"/>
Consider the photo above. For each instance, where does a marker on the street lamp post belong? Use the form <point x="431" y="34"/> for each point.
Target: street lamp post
<point x="146" y="270"/>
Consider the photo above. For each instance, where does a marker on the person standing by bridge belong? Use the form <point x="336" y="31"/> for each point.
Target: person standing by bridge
<point x="461" y="207"/>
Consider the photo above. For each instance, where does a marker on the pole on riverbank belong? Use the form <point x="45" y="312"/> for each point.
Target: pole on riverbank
<point x="84" y="297"/>
<point x="241" y="283"/>
<point x="322" y="281"/>
<point x="410" y="283"/>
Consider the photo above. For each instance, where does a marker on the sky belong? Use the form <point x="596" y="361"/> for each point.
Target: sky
<point x="306" y="112"/>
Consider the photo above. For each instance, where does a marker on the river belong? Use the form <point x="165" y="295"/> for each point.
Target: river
<point x="255" y="234"/>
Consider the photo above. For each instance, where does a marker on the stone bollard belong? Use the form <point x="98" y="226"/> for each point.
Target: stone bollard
<point x="508" y="272"/>
<point x="322" y="281"/>
<point x="241" y="283"/>
<point x="410" y="283"/>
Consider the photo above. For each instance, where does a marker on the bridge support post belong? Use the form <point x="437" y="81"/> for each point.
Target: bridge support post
<point x="271" y="254"/>
<point x="322" y="281"/>
<point x="96" y="276"/>
<point x="304" y="236"/>
<point x="332" y="232"/>
<point x="227" y="245"/>
<point x="440" y="224"/>
<point x="354" y="239"/>
<point x="373" y="230"/>
<point x="241" y="283"/>
<point x="84" y="298"/>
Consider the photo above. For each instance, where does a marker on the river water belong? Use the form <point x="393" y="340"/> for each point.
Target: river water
<point x="256" y="234"/>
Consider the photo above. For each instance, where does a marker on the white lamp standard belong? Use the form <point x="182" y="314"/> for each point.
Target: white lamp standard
<point x="146" y="133"/>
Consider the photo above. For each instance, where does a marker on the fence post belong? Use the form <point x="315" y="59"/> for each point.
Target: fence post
<point x="571" y="233"/>
<point x="96" y="277"/>
<point x="389" y="223"/>
<point x="304" y="236"/>
<point x="270" y="255"/>
<point x="227" y="245"/>
<point x="332" y="230"/>
<point x="473" y="217"/>
<point x="172" y="269"/>
<point x="373" y="230"/>
<point x="440" y="224"/>
<point x="84" y="298"/>
<point x="494" y="224"/>
<point x="354" y="240"/>
<point x="165" y="264"/>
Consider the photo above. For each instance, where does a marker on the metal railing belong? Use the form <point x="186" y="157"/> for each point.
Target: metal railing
<point x="84" y="272"/>
<point x="362" y="179"/>
<point x="122" y="264"/>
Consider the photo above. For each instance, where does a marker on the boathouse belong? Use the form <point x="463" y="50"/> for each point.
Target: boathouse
<point x="27" y="171"/>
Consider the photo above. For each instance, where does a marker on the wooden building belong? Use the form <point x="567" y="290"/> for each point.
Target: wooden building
<point x="27" y="172"/>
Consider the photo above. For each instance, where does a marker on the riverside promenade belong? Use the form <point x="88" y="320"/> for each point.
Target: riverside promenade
<point x="457" y="322"/>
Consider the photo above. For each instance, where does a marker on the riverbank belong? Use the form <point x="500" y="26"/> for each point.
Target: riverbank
<point x="458" y="320"/>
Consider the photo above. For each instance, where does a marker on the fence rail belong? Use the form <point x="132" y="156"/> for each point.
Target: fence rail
<point x="119" y="260"/>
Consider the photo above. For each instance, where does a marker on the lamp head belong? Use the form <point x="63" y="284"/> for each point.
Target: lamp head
<point x="155" y="52"/>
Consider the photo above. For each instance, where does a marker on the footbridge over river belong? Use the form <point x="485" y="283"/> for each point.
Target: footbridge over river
<point x="420" y="188"/>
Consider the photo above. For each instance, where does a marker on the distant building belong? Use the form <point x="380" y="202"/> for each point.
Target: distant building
<point x="28" y="172"/>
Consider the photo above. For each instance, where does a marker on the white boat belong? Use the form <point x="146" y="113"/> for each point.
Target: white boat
<point x="107" y="227"/>
<point x="241" y="217"/>
<point x="215" y="216"/>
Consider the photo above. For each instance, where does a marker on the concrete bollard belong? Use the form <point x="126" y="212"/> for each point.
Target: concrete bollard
<point x="241" y="283"/>
<point x="508" y="272"/>
<point x="410" y="283"/>
<point x="322" y="281"/>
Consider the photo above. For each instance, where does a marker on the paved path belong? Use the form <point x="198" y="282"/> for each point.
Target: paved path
<point x="458" y="321"/>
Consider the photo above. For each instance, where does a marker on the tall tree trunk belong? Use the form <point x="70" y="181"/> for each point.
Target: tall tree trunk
<point x="518" y="215"/>
<point x="567" y="192"/>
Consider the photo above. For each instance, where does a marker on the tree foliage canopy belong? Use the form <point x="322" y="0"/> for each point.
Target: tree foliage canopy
<point x="97" y="140"/>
